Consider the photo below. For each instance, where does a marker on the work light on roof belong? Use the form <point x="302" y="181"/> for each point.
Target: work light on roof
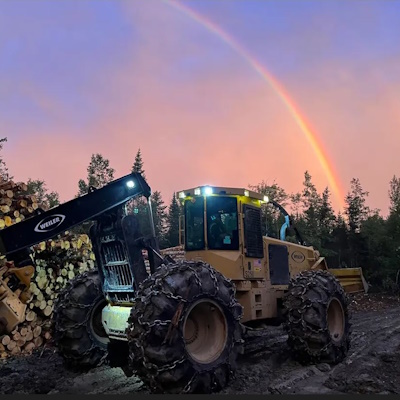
<point x="181" y="195"/>
<point x="246" y="193"/>
<point x="208" y="190"/>
<point x="197" y="192"/>
<point x="266" y="199"/>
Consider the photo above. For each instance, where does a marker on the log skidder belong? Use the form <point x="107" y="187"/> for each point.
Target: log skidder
<point x="317" y="318"/>
<point x="79" y="333"/>
<point x="184" y="331"/>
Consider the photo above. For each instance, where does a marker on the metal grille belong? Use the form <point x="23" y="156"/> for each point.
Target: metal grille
<point x="252" y="232"/>
<point x="117" y="273"/>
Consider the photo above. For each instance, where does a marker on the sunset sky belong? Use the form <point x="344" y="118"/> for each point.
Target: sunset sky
<point x="83" y="77"/>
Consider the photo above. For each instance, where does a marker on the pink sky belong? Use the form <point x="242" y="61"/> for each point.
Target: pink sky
<point x="222" y="125"/>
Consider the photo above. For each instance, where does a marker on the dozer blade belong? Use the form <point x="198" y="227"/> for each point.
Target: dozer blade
<point x="351" y="279"/>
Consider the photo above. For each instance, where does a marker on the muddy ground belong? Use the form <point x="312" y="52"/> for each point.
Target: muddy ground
<point x="371" y="367"/>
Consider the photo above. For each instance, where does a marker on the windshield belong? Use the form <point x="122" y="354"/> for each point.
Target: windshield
<point x="194" y="224"/>
<point x="222" y="223"/>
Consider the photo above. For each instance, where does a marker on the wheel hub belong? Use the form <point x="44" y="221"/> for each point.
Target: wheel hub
<point x="336" y="320"/>
<point x="205" y="331"/>
<point x="96" y="325"/>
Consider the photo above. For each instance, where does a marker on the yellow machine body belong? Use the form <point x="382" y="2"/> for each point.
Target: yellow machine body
<point x="261" y="267"/>
<point x="14" y="295"/>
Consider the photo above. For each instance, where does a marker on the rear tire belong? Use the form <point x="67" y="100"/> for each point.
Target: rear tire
<point x="184" y="332"/>
<point x="78" y="332"/>
<point x="317" y="318"/>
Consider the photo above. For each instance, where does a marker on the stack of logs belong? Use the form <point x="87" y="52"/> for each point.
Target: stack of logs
<point x="15" y="204"/>
<point x="56" y="262"/>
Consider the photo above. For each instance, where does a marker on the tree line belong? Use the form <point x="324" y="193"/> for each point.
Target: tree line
<point x="358" y="237"/>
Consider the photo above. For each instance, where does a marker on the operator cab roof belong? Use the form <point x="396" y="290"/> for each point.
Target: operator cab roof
<point x="207" y="190"/>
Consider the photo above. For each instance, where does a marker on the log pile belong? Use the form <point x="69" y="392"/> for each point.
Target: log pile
<point x="15" y="203"/>
<point x="57" y="261"/>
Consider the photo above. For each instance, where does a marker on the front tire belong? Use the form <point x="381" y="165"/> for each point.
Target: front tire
<point x="78" y="331"/>
<point x="184" y="332"/>
<point x="317" y="318"/>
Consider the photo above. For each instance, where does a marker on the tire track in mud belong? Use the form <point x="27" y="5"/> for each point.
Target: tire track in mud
<point x="266" y="367"/>
<point x="372" y="364"/>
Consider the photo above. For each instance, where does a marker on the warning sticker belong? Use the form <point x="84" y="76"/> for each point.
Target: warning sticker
<point x="257" y="263"/>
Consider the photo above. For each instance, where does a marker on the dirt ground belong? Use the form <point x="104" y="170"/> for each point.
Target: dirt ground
<point x="371" y="367"/>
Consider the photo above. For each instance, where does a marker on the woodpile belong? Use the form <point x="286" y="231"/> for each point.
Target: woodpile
<point x="15" y="203"/>
<point x="56" y="262"/>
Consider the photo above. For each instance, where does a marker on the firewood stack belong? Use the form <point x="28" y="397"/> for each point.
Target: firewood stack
<point x="57" y="261"/>
<point x="15" y="204"/>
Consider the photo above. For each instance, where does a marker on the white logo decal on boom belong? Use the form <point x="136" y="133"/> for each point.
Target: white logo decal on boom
<point x="49" y="223"/>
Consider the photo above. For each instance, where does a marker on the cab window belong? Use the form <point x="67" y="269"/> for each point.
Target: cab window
<point x="194" y="224"/>
<point x="222" y="223"/>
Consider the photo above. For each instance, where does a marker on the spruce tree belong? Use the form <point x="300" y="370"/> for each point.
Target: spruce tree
<point x="99" y="173"/>
<point x="159" y="216"/>
<point x="174" y="212"/>
<point x="357" y="212"/>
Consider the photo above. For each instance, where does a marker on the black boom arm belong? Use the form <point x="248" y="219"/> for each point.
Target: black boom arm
<point x="45" y="225"/>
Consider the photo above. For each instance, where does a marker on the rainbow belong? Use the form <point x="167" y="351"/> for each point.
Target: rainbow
<point x="312" y="138"/>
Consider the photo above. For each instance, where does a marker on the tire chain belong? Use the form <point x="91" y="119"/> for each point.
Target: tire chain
<point x="181" y="266"/>
<point x="308" y="282"/>
<point x="61" y="304"/>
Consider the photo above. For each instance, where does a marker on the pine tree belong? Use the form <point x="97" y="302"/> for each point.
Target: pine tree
<point x="159" y="216"/>
<point x="99" y="173"/>
<point x="341" y="244"/>
<point x="4" y="174"/>
<point x="394" y="195"/>
<point x="311" y="205"/>
<point x="356" y="212"/>
<point x="138" y="206"/>
<point x="174" y="212"/>
<point x="138" y="164"/>
<point x="326" y="224"/>
<point x="38" y="188"/>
